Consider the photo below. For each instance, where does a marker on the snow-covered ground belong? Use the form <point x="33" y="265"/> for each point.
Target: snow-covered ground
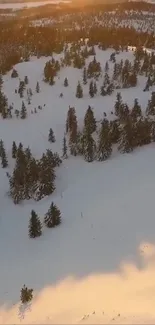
<point x="141" y="21"/>
<point x="98" y="265"/>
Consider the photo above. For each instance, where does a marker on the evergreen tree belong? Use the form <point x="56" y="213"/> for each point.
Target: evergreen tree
<point x="104" y="142"/>
<point x="89" y="121"/>
<point x="84" y="76"/>
<point x="114" y="131"/>
<point x="21" y="89"/>
<point x="1" y="147"/>
<point x="26" y="295"/>
<point x="26" y="80"/>
<point x="64" y="149"/>
<point x="14" y="74"/>
<point x="46" y="178"/>
<point x="118" y="104"/>
<point x="136" y="111"/>
<point x="91" y="89"/>
<point x="51" y="136"/>
<point x="95" y="88"/>
<point x="106" y="67"/>
<point x="89" y="147"/>
<point x="79" y="91"/>
<point x="66" y="82"/>
<point x="14" y="149"/>
<point x="53" y="216"/>
<point x="4" y="161"/>
<point x="35" y="227"/>
<point x="23" y="113"/>
<point x="126" y="141"/>
<point x="37" y="87"/>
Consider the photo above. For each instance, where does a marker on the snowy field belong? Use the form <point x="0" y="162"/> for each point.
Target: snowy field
<point x="99" y="265"/>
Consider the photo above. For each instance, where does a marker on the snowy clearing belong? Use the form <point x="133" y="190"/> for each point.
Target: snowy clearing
<point x="98" y="266"/>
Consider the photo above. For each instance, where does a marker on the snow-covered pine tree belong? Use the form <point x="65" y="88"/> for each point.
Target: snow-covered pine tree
<point x="14" y="149"/>
<point x="84" y="76"/>
<point x="23" y="113"/>
<point x="35" y="226"/>
<point x="53" y="216"/>
<point x="104" y="149"/>
<point x="64" y="149"/>
<point x="65" y="82"/>
<point x="89" y="121"/>
<point x="51" y="136"/>
<point x="37" y="87"/>
<point x="91" y="89"/>
<point x="79" y="91"/>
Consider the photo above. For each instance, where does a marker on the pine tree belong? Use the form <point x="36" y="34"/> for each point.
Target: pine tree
<point x="66" y="82"/>
<point x="53" y="216"/>
<point x="89" y="121"/>
<point x="106" y="69"/>
<point x="4" y="161"/>
<point x="26" y="80"/>
<point x="35" y="227"/>
<point x="14" y="149"/>
<point x="89" y="147"/>
<point x="118" y="104"/>
<point x="51" y="136"/>
<point x="79" y="91"/>
<point x="95" y="88"/>
<point x="1" y="147"/>
<point x="14" y="74"/>
<point x="136" y="111"/>
<point x="37" y="87"/>
<point x="1" y="82"/>
<point x="23" y="113"/>
<point x="91" y="89"/>
<point x="21" y="89"/>
<point x="126" y="141"/>
<point x="64" y="149"/>
<point x="26" y="295"/>
<point x="84" y="76"/>
<point x="104" y="142"/>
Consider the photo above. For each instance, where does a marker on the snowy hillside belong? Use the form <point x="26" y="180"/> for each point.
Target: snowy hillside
<point x="98" y="265"/>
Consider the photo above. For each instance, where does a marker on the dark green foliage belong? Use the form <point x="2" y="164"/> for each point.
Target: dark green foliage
<point x="21" y="89"/>
<point x="118" y="105"/>
<point x="53" y="216"/>
<point x="4" y="161"/>
<point x="23" y="113"/>
<point x="14" y="149"/>
<point x="51" y="136"/>
<point x="104" y="149"/>
<point x="66" y="82"/>
<point x="64" y="149"/>
<point x="37" y="87"/>
<point x="136" y="111"/>
<point x="14" y="74"/>
<point x="127" y="141"/>
<point x="79" y="91"/>
<point x="26" y="295"/>
<point x="33" y="178"/>
<point x="91" y="89"/>
<point x="89" y="121"/>
<point x="35" y="226"/>
<point x="114" y="131"/>
<point x="84" y="76"/>
<point x="26" y="80"/>
<point x="89" y="147"/>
